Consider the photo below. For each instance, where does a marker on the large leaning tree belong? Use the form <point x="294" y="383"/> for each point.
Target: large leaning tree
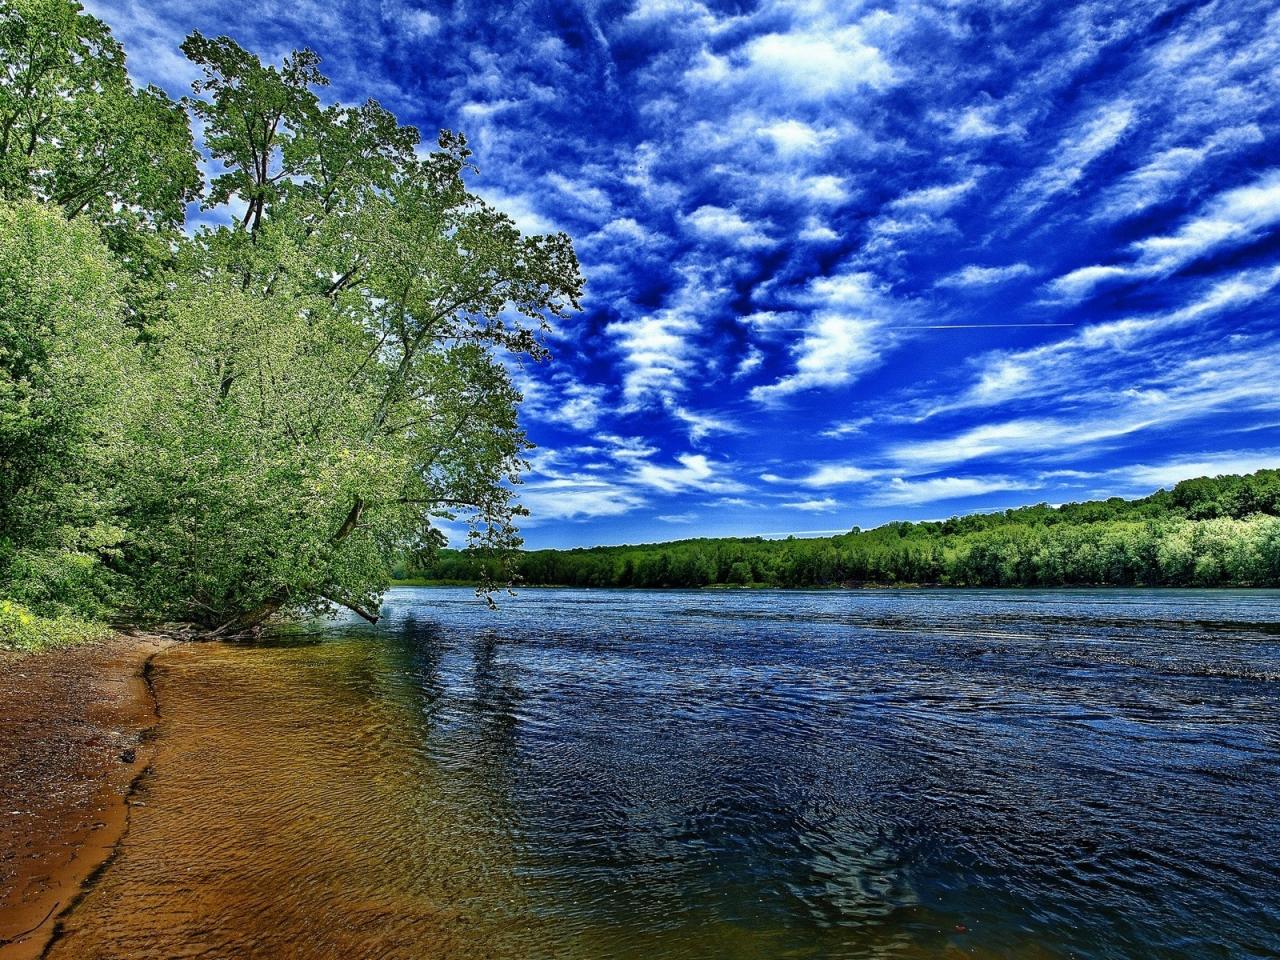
<point x="329" y="374"/>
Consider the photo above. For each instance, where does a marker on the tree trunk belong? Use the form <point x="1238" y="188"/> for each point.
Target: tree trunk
<point x="250" y="622"/>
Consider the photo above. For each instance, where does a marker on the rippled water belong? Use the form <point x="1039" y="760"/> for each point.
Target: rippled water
<point x="594" y="774"/>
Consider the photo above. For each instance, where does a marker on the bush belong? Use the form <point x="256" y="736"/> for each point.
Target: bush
<point x="20" y="629"/>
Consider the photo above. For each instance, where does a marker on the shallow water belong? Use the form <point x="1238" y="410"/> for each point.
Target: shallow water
<point x="595" y="774"/>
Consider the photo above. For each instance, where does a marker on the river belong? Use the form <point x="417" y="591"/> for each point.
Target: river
<point x="707" y="774"/>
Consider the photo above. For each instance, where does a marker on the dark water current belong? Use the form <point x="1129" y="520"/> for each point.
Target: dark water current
<point x="599" y="774"/>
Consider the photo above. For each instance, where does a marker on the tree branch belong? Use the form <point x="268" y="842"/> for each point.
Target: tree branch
<point x="353" y="607"/>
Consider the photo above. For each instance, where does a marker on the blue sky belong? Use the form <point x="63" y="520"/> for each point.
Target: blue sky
<point x="849" y="262"/>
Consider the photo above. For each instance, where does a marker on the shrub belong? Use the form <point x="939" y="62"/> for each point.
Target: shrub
<point x="20" y="629"/>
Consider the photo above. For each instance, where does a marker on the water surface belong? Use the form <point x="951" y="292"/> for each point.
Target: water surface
<point x="637" y="774"/>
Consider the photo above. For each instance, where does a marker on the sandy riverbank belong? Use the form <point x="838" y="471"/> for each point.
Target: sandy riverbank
<point x="73" y="739"/>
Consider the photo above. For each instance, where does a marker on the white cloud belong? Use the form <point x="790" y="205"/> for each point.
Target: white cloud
<point x="582" y="405"/>
<point x="836" y="347"/>
<point x="1108" y="406"/>
<point x="521" y="209"/>
<point x="694" y="471"/>
<point x="719" y="223"/>
<point x="825" y="505"/>
<point x="1184" y="468"/>
<point x="815" y="231"/>
<point x="1088" y="355"/>
<point x="576" y="497"/>
<point x="790" y="137"/>
<point x="1073" y="155"/>
<point x="626" y="449"/>
<point x="813" y="63"/>
<point x="1157" y="180"/>
<point x="822" y="188"/>
<point x="562" y="398"/>
<point x="934" y="199"/>
<point x="1021" y="436"/>
<point x="420" y="23"/>
<point x="1080" y="283"/>
<point x="979" y="122"/>
<point x="845" y="333"/>
<point x="624" y="231"/>
<point x="590" y="198"/>
<point x="974" y="276"/>
<point x="689" y="12"/>
<point x="482" y="110"/>
<point x="750" y="362"/>
<point x="658" y="349"/>
<point x="677" y="517"/>
<point x="702" y="425"/>
<point x="838" y="475"/>
<point x="845" y="428"/>
<point x="900" y="492"/>
<point x="770" y="322"/>
<point x="1232" y="218"/>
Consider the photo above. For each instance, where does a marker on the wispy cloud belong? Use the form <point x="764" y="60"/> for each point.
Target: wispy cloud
<point x="824" y="505"/>
<point x="1081" y="147"/>
<point x="1232" y="218"/>
<point x="901" y="492"/>
<point x="703" y="425"/>
<point x="694" y="470"/>
<point x="573" y="498"/>
<point x="973" y="276"/>
<point x="1158" y="179"/>
<point x="846" y="428"/>
<point x="1095" y="351"/>
<point x="837" y="475"/>
<point x="1173" y="471"/>
<point x="803" y="64"/>
<point x="848" y="326"/>
<point x="717" y="223"/>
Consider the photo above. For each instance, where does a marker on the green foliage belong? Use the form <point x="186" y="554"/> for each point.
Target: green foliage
<point x="252" y="116"/>
<point x="258" y="417"/>
<point x="327" y="373"/>
<point x="1222" y="531"/>
<point x="20" y="629"/>
<point x="75" y="132"/>
<point x="64" y="355"/>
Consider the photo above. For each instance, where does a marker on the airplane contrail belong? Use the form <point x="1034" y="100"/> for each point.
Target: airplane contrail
<point x="978" y="326"/>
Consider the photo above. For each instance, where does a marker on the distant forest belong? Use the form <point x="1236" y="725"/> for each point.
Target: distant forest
<point x="1220" y="531"/>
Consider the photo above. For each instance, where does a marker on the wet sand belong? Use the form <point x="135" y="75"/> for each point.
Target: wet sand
<point x="74" y="729"/>
<point x="288" y="812"/>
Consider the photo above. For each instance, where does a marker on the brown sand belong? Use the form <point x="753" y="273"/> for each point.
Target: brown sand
<point x="73" y="740"/>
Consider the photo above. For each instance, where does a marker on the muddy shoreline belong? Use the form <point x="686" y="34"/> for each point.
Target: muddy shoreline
<point x="75" y="728"/>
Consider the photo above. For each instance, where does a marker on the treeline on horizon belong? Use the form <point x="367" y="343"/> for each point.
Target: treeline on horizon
<point x="1209" y="532"/>
<point x="260" y="413"/>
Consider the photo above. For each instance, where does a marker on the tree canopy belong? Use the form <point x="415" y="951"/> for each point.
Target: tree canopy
<point x="75" y="131"/>
<point x="293" y="398"/>
<point x="1220" y="531"/>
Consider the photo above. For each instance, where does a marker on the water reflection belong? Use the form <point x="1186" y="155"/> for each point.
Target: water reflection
<point x="594" y="774"/>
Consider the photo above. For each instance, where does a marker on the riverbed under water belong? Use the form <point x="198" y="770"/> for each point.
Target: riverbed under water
<point x="698" y="774"/>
